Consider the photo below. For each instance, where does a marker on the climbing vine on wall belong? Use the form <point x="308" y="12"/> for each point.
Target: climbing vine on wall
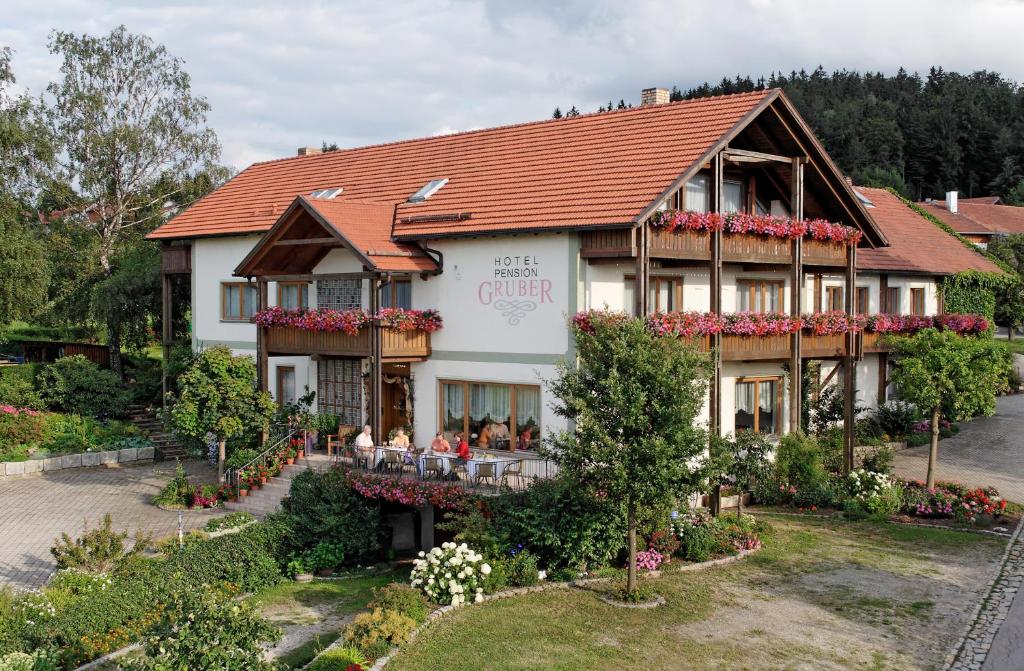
<point x="973" y="291"/>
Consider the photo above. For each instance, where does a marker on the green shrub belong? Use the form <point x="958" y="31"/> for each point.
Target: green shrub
<point x="325" y="556"/>
<point x="193" y="620"/>
<point x="76" y="385"/>
<point x="20" y="431"/>
<point x="144" y="375"/>
<point x="374" y="633"/>
<point x="696" y="541"/>
<point x="563" y="524"/>
<point x="826" y="492"/>
<point x="245" y="559"/>
<point x="895" y="418"/>
<point x="98" y="550"/>
<point x="798" y="460"/>
<point x="402" y="599"/>
<point x="643" y="593"/>
<point x="879" y="460"/>
<point x="338" y="659"/>
<point x="20" y="393"/>
<point x="17" y="661"/>
<point x="521" y="569"/>
<point x="178" y="491"/>
<point x="322" y="507"/>
<point x="229" y="521"/>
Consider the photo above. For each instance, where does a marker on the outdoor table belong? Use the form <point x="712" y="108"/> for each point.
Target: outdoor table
<point x="445" y="457"/>
<point x="378" y="453"/>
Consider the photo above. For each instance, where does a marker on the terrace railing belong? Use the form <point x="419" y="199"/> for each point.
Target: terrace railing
<point x="280" y="436"/>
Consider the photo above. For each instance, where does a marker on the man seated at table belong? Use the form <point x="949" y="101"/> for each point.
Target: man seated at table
<point x="364" y="445"/>
<point x="500" y="436"/>
<point x="439" y="444"/>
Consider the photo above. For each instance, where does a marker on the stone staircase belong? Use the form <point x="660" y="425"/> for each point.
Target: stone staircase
<point x="166" y="444"/>
<point x="268" y="498"/>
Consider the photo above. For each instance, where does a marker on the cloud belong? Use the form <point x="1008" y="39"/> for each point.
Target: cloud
<point x="284" y="75"/>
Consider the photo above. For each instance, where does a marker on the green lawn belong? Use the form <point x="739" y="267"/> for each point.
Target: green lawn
<point x="822" y="594"/>
<point x="1016" y="345"/>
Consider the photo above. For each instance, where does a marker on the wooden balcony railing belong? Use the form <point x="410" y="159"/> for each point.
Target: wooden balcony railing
<point x="696" y="245"/>
<point x="395" y="345"/>
<point x="762" y="348"/>
<point x="872" y="343"/>
<point x="822" y="346"/>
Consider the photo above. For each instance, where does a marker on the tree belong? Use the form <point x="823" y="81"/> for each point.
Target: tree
<point x="1010" y="302"/>
<point x="940" y="368"/>
<point x="127" y="131"/>
<point x="557" y="114"/>
<point x="632" y="399"/>
<point x="217" y="395"/>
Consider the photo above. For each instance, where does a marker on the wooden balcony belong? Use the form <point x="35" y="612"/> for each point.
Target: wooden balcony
<point x="777" y="348"/>
<point x="696" y="245"/>
<point x="396" y="346"/>
<point x="873" y="343"/>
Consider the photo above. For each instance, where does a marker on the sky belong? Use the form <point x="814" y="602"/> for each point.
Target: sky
<point x="289" y="73"/>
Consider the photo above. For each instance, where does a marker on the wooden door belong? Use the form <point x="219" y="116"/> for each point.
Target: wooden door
<point x="394" y="406"/>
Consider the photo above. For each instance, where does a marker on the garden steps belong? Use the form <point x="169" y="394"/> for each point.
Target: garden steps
<point x="166" y="444"/>
<point x="268" y="498"/>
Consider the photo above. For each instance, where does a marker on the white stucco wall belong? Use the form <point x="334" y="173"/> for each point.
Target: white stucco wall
<point x="213" y="262"/>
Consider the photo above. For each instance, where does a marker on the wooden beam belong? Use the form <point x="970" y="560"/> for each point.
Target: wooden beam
<point x="850" y="400"/>
<point x="641" y="283"/>
<point x="167" y="334"/>
<point x="333" y="242"/>
<point x="376" y="364"/>
<point x="746" y="156"/>
<point x="312" y="277"/>
<point x="262" y="357"/>
<point x="717" y="204"/>
<point x="831" y="374"/>
<point x="883" y="376"/>
<point x="796" y="299"/>
<point x="883" y="291"/>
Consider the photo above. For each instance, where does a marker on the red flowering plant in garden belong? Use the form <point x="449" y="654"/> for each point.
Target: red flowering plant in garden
<point x="445" y="496"/>
<point x="350" y="322"/>
<point x="755" y="224"/>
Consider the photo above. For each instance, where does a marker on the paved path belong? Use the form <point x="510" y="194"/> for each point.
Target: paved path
<point x="987" y="451"/>
<point x="37" y="509"/>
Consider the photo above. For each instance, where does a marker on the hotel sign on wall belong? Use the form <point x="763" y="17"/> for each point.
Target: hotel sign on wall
<point x="516" y="287"/>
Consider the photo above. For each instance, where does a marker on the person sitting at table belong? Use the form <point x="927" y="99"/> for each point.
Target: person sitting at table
<point x="364" y="445"/>
<point x="462" y="449"/>
<point x="440" y="444"/>
<point x="525" y="438"/>
<point x="500" y="435"/>
<point x="400" y="439"/>
<point x="484" y="439"/>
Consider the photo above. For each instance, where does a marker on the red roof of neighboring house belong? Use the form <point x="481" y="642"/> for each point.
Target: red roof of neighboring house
<point x="984" y="200"/>
<point x="916" y="245"/>
<point x="587" y="171"/>
<point x="975" y="217"/>
<point x="367" y="227"/>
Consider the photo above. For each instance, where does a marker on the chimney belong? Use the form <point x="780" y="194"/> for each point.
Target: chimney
<point x="653" y="97"/>
<point x="951" y="201"/>
<point x="309" y="151"/>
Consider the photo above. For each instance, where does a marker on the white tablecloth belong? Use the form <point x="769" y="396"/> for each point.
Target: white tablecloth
<point x="378" y="453"/>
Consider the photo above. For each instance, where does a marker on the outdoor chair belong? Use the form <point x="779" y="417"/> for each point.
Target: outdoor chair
<point x="335" y="441"/>
<point x="364" y="459"/>
<point x="486" y="470"/>
<point x="460" y="471"/>
<point x="393" y="461"/>
<point x="512" y="470"/>
<point x="433" y="467"/>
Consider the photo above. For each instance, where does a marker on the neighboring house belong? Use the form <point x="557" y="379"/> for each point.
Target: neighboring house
<point x="509" y="231"/>
<point x="902" y="278"/>
<point x="977" y="219"/>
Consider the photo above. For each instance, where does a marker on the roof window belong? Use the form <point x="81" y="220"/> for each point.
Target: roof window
<point x="326" y="194"/>
<point x="428" y="190"/>
<point x="863" y="199"/>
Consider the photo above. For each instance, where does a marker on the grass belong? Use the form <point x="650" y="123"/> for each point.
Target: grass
<point x="823" y="594"/>
<point x="299" y="603"/>
<point x="298" y="657"/>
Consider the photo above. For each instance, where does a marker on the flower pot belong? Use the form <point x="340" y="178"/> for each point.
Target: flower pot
<point x="290" y="461"/>
<point x="243" y="492"/>
<point x="303" y="577"/>
<point x="263" y="480"/>
<point x="302" y="454"/>
<point x="324" y="572"/>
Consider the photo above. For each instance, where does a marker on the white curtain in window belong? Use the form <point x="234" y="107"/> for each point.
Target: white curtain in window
<point x="249" y="305"/>
<point x="696" y="195"/>
<point x="454" y="403"/>
<point x="745" y="397"/>
<point x="489" y="400"/>
<point x="403" y="295"/>
<point x="732" y="193"/>
<point x="232" y="307"/>
<point x="527" y="407"/>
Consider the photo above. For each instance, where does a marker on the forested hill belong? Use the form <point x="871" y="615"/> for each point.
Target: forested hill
<point x="923" y="135"/>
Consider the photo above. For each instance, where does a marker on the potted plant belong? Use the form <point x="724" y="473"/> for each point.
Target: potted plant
<point x="298" y="569"/>
<point x="325" y="557"/>
<point x="243" y="484"/>
<point x="289" y="456"/>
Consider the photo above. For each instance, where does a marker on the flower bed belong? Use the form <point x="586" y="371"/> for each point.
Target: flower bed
<point x="756" y="224"/>
<point x="951" y="500"/>
<point x="349" y="322"/>
<point x="698" y="324"/>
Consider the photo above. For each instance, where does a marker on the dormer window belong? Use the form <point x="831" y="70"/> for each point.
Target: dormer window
<point x="428" y="190"/>
<point x="326" y="194"/>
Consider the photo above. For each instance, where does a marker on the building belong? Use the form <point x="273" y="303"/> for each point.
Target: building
<point x="506" y="232"/>
<point x="977" y="219"/>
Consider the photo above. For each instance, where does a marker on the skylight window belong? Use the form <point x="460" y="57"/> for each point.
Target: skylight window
<point x="428" y="190"/>
<point x="863" y="199"/>
<point x="326" y="194"/>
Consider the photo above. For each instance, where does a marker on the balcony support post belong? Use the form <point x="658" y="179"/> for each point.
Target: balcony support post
<point x="376" y="373"/>
<point x="166" y="333"/>
<point x="717" y="205"/>
<point x="643" y="269"/>
<point x="262" y="358"/>
<point x="796" y="299"/>
<point x="850" y="374"/>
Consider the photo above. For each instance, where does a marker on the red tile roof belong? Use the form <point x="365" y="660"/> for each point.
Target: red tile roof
<point x="592" y="170"/>
<point x="367" y="227"/>
<point x="916" y="245"/>
<point x="975" y="217"/>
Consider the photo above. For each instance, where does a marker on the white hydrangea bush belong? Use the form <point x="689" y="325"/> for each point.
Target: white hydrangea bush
<point x="451" y="574"/>
<point x="865" y="485"/>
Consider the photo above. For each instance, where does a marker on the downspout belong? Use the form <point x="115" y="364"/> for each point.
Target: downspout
<point x="436" y="256"/>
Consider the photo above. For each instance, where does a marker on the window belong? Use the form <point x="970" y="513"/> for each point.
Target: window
<point x="293" y="295"/>
<point x="758" y="404"/>
<point x="892" y="301"/>
<point x="759" y="295"/>
<point x="834" y="298"/>
<point x="863" y="301"/>
<point x="340" y="389"/>
<point x="697" y="194"/>
<point x="917" y="302"/>
<point x="733" y="197"/>
<point x="285" y="384"/>
<point x="492" y="415"/>
<point x="237" y="301"/>
<point x="396" y="294"/>
<point x="665" y="293"/>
